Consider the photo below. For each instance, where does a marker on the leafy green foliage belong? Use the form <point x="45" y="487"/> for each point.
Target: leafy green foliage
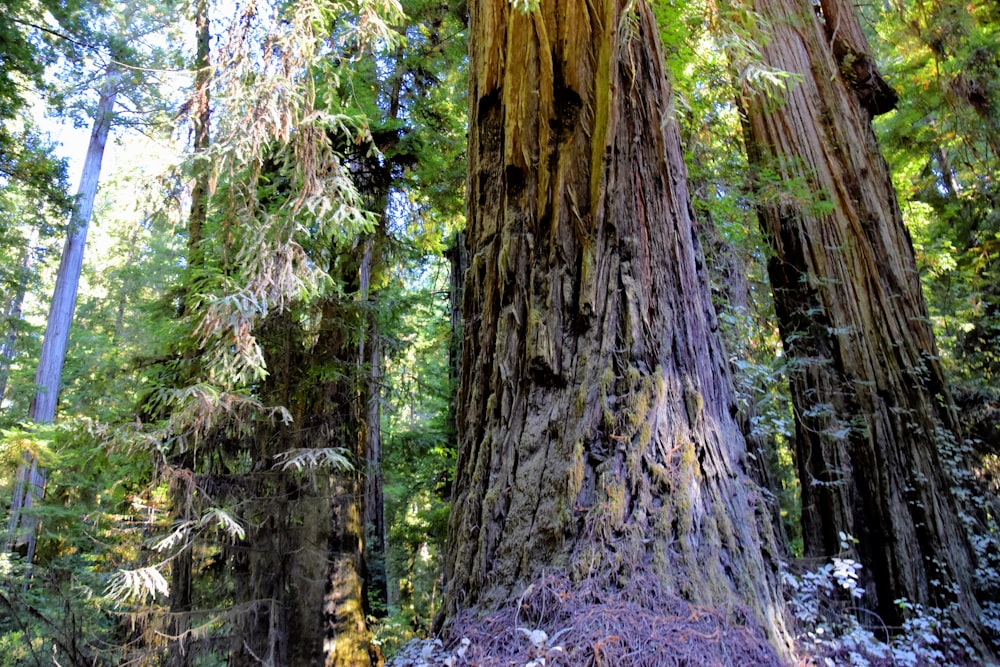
<point x="26" y="160"/>
<point x="256" y="404"/>
<point x="86" y="532"/>
<point x="334" y="145"/>
<point x="942" y="144"/>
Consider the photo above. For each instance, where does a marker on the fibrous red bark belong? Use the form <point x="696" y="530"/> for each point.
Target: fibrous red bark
<point x="596" y="434"/>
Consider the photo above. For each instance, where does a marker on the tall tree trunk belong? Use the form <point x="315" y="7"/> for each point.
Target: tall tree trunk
<point x="370" y="363"/>
<point x="201" y="119"/>
<point x="595" y="424"/>
<point x="870" y="397"/>
<point x="303" y="572"/>
<point x="181" y="602"/>
<point x="346" y="594"/>
<point x="30" y="484"/>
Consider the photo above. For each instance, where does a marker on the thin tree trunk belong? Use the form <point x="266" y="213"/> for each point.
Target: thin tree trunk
<point x="596" y="435"/>
<point x="201" y="119"/>
<point x="370" y="360"/>
<point x="31" y="478"/>
<point x="871" y="402"/>
<point x="181" y="602"/>
<point x="374" y="505"/>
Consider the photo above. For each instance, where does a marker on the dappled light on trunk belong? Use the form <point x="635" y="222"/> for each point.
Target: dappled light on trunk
<point x="873" y="409"/>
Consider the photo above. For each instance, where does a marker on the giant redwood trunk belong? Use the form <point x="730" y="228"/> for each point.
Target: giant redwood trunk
<point x="596" y="434"/>
<point x="872" y="406"/>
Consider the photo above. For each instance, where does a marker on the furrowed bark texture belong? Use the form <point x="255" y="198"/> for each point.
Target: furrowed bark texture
<point x="733" y="294"/>
<point x="870" y="397"/>
<point x="594" y="409"/>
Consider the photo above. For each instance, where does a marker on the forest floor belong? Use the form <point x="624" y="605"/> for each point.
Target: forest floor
<point x="555" y="623"/>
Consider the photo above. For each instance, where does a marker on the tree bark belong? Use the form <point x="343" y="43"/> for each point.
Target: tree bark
<point x="303" y="560"/>
<point x="732" y="293"/>
<point x="871" y="402"/>
<point x="595" y="421"/>
<point x="370" y="363"/>
<point x="181" y="600"/>
<point x="30" y="484"/>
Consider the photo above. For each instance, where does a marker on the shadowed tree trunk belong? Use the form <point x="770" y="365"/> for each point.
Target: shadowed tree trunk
<point x="872" y="406"/>
<point x="181" y="488"/>
<point x="201" y="115"/>
<point x="301" y="568"/>
<point x="318" y="536"/>
<point x="370" y="360"/>
<point x="733" y="295"/>
<point x="596" y="434"/>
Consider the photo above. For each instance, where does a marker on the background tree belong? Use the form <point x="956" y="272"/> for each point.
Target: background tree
<point x="31" y="478"/>
<point x="295" y="266"/>
<point x="26" y="160"/>
<point x="34" y="188"/>
<point x="296" y="369"/>
<point x="88" y="522"/>
<point x="871" y="400"/>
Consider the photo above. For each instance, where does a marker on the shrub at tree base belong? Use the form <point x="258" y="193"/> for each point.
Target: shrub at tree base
<point x="556" y="622"/>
